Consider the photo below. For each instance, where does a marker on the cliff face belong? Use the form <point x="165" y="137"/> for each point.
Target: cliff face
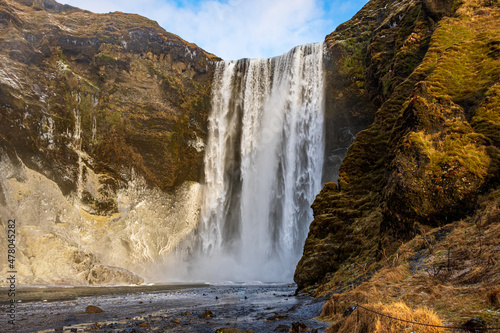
<point x="90" y="106"/>
<point x="429" y="73"/>
<point x="117" y="86"/>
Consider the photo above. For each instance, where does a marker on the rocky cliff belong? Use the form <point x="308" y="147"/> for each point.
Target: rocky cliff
<point x="426" y="169"/>
<point x="102" y="127"/>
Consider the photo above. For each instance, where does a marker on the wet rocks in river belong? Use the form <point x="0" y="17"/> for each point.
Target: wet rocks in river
<point x="184" y="306"/>
<point x="93" y="309"/>
<point x="207" y="314"/>
<point x="282" y="328"/>
<point x="299" y="327"/>
<point x="276" y="317"/>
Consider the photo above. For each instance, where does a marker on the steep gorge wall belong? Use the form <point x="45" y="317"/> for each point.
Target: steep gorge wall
<point x="428" y="72"/>
<point x="93" y="108"/>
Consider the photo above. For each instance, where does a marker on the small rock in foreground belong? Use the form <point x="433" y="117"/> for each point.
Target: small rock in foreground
<point x="207" y="314"/>
<point x="350" y="310"/>
<point x="93" y="309"/>
<point x="299" y="327"/>
<point x="282" y="328"/>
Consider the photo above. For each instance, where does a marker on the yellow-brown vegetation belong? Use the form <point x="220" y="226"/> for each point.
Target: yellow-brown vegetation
<point x="452" y="270"/>
<point x="381" y="318"/>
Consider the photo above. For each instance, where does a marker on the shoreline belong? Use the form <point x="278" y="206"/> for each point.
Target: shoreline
<point x="51" y="293"/>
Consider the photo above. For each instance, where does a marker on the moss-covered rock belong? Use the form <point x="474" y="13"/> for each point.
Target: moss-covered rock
<point x="431" y="69"/>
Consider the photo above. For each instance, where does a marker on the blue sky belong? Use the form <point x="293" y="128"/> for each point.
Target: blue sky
<point x="234" y="29"/>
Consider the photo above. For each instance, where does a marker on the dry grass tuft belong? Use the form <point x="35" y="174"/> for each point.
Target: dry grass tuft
<point x="372" y="322"/>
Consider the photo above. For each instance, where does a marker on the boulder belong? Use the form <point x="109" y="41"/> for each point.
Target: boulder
<point x="93" y="309"/>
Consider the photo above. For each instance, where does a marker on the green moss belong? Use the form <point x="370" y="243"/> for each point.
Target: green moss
<point x="105" y="59"/>
<point x="486" y="119"/>
<point x="465" y="72"/>
<point x="354" y="58"/>
<point x="455" y="150"/>
<point x="386" y="84"/>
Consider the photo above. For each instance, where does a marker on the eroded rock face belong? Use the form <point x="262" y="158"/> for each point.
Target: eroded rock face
<point x="59" y="242"/>
<point x="113" y="91"/>
<point x="47" y="258"/>
<point x="431" y="150"/>
<point x="102" y="128"/>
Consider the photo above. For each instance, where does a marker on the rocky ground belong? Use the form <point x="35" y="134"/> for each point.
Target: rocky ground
<point x="261" y="308"/>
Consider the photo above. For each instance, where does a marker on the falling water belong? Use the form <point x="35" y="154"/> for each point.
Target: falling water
<point x="263" y="166"/>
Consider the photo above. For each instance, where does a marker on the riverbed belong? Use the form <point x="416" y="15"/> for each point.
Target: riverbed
<point x="164" y="308"/>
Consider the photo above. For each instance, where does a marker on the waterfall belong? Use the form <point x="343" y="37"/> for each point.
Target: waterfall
<point x="263" y="166"/>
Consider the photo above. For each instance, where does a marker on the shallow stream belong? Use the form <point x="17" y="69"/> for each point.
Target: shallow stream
<point x="172" y="308"/>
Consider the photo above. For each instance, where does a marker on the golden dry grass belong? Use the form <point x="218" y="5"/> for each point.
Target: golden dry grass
<point x="367" y="321"/>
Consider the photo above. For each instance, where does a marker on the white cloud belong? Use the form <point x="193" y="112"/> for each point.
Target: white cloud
<point x="231" y="29"/>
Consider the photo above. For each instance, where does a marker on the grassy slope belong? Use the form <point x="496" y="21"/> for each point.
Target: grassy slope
<point x="451" y="271"/>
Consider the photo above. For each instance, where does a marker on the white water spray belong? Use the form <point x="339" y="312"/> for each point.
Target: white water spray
<point x="263" y="167"/>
